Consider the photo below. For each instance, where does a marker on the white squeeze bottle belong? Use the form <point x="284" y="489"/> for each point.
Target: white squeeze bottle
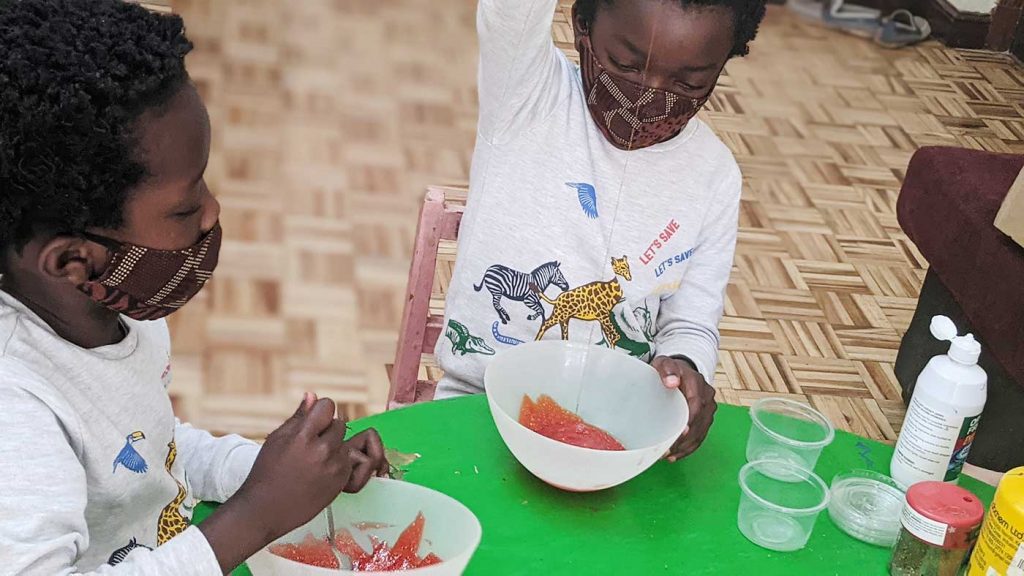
<point x="944" y="412"/>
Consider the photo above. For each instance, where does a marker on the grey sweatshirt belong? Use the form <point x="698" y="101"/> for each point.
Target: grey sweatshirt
<point x="626" y="249"/>
<point x="97" y="472"/>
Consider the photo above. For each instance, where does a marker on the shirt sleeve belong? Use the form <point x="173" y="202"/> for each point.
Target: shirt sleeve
<point x="521" y="70"/>
<point x="216" y="467"/>
<point x="42" y="505"/>
<point x="688" y="318"/>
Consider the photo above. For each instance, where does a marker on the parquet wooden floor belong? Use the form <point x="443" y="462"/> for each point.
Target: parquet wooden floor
<point x="331" y="117"/>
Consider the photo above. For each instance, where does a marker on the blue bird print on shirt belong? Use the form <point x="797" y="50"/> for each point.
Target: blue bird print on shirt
<point x="587" y="196"/>
<point x="129" y="457"/>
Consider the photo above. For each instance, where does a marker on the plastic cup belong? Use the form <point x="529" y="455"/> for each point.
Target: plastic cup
<point x="779" y="514"/>
<point x="787" y="431"/>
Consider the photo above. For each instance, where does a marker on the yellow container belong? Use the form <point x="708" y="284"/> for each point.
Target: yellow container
<point x="1000" y="549"/>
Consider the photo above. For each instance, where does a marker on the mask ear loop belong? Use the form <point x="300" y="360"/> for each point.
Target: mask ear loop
<point x="108" y="243"/>
<point x="618" y="198"/>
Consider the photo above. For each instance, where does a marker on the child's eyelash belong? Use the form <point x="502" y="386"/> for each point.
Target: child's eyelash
<point x="625" y="67"/>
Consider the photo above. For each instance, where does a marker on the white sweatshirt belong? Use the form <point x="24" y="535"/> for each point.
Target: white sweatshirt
<point x="552" y="202"/>
<point x="96" y="470"/>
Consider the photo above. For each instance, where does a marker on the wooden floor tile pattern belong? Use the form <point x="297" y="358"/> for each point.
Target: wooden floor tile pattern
<point x="331" y="117"/>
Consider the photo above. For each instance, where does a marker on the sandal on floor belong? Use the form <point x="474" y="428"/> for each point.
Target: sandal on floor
<point x="852" y="18"/>
<point x="901" y="28"/>
<point x="838" y="11"/>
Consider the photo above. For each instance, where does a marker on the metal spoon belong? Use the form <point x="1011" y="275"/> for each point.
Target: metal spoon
<point x="343" y="560"/>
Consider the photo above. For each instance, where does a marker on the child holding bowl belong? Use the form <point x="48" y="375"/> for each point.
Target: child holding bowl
<point x="600" y="208"/>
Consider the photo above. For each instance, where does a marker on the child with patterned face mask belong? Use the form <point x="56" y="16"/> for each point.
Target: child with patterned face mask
<point x="107" y="226"/>
<point x="601" y="209"/>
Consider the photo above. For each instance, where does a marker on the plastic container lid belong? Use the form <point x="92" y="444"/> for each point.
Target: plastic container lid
<point x="867" y="506"/>
<point x="946" y="503"/>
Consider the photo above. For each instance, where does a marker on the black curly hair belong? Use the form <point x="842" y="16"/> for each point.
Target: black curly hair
<point x="747" y="14"/>
<point x="75" y="75"/>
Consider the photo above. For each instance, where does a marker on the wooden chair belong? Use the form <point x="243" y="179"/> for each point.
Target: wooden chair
<point x="439" y="222"/>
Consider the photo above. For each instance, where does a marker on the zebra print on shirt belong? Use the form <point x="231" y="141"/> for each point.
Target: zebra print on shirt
<point x="121" y="553"/>
<point x="504" y="282"/>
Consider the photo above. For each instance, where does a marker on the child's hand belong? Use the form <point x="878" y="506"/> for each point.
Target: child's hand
<point x="367" y="453"/>
<point x="699" y="395"/>
<point x="302" y="468"/>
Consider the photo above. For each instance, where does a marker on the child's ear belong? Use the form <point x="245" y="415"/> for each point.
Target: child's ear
<point x="579" y="27"/>
<point x="71" y="258"/>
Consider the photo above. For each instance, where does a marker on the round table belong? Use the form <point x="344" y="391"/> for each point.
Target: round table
<point x="673" y="519"/>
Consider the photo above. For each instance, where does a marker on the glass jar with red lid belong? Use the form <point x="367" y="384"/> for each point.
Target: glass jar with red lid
<point x="940" y="525"/>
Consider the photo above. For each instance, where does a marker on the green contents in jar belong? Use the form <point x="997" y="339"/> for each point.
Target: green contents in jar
<point x="913" y="557"/>
<point x="940" y="524"/>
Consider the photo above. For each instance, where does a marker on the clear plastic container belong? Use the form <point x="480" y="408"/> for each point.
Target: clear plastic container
<point x="787" y="431"/>
<point x="779" y="504"/>
<point x="867" y="505"/>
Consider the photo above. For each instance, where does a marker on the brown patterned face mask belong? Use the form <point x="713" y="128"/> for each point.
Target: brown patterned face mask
<point x="147" y="284"/>
<point x="630" y="115"/>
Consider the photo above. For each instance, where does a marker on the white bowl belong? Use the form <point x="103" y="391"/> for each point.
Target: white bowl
<point x="452" y="532"/>
<point x="614" y="391"/>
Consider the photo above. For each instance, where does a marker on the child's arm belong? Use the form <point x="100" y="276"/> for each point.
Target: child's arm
<point x="521" y="77"/>
<point x="688" y="319"/>
<point x="216" y="467"/>
<point x="42" y="507"/>
<point x="302" y="467"/>
<point x="687" y="338"/>
<point x="300" y="470"/>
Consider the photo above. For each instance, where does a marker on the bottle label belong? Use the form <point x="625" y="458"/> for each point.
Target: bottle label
<point x="1000" y="549"/>
<point x="933" y="444"/>
<point x="923" y="528"/>
<point x="962" y="448"/>
<point x="1017" y="564"/>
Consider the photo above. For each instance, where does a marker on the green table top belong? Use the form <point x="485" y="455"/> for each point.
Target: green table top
<point x="673" y="519"/>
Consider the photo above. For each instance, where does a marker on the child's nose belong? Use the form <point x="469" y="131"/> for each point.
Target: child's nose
<point x="659" y="82"/>
<point x="211" y="213"/>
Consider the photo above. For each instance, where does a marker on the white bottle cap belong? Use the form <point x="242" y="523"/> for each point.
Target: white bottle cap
<point x="943" y="328"/>
<point x="963" y="349"/>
